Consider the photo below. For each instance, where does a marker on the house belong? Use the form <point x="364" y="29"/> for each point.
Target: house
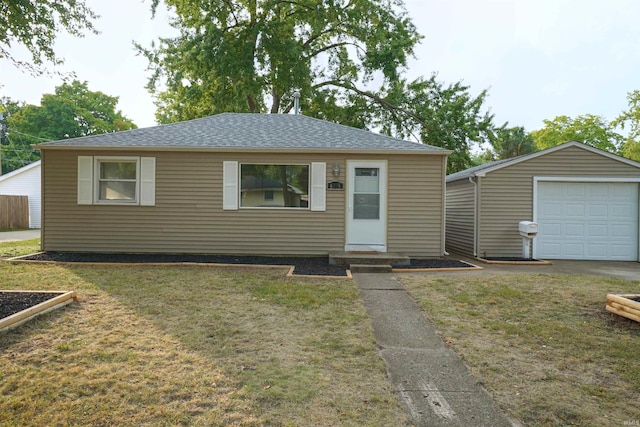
<point x="243" y="184"/>
<point x="25" y="182"/>
<point x="584" y="200"/>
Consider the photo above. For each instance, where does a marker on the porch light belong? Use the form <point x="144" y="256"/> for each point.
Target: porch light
<point x="336" y="170"/>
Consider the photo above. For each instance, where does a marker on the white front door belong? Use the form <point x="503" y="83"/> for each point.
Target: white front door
<point x="366" y="220"/>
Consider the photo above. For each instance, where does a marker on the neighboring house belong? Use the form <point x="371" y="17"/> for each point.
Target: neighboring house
<point x="25" y="182"/>
<point x="584" y="200"/>
<point x="185" y="188"/>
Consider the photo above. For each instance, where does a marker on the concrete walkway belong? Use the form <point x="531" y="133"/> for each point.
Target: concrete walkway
<point x="431" y="380"/>
<point x="14" y="236"/>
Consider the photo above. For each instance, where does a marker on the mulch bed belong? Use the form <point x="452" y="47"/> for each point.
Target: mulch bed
<point x="314" y="266"/>
<point x="14" y="302"/>
<point x="513" y="259"/>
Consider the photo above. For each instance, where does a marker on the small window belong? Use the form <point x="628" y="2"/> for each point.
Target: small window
<point x="274" y="186"/>
<point x="117" y="180"/>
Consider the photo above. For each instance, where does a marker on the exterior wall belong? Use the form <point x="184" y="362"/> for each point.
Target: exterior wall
<point x="506" y="195"/>
<point x="25" y="183"/>
<point x="460" y="217"/>
<point x="188" y="215"/>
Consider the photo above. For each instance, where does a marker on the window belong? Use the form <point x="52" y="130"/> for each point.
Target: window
<point x="129" y="180"/>
<point x="117" y="180"/>
<point x="274" y="186"/>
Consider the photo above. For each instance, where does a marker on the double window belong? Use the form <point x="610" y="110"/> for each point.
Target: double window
<point x="126" y="180"/>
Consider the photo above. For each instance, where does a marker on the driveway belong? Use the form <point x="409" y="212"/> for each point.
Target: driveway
<point x="628" y="270"/>
<point x="13" y="236"/>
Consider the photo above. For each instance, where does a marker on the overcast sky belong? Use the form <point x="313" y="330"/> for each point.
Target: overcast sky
<point x="537" y="58"/>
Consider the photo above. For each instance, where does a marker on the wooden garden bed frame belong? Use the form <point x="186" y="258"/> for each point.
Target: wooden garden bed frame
<point x="58" y="299"/>
<point x="624" y="305"/>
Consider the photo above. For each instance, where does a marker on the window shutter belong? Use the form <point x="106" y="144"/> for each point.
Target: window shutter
<point x="85" y="180"/>
<point x="147" y="181"/>
<point x="318" y="186"/>
<point x="230" y="185"/>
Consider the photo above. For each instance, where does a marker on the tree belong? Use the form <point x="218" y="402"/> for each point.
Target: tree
<point x="630" y="119"/>
<point x="72" y="111"/>
<point x="346" y="57"/>
<point x="590" y="129"/>
<point x="510" y="142"/>
<point x="35" y="24"/>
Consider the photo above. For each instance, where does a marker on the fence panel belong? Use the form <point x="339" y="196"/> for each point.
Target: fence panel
<point x="14" y="212"/>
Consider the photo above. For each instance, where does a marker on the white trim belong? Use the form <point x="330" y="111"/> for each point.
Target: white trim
<point x="318" y="187"/>
<point x="96" y="177"/>
<point x="594" y="150"/>
<point x="230" y="187"/>
<point x="537" y="179"/>
<point x="21" y="170"/>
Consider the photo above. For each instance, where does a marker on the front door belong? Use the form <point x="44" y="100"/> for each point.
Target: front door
<point x="366" y="206"/>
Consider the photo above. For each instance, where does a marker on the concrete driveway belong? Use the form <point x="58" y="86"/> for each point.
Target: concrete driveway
<point x="13" y="236"/>
<point x="628" y="270"/>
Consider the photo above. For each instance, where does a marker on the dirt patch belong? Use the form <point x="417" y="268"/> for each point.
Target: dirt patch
<point x="14" y="302"/>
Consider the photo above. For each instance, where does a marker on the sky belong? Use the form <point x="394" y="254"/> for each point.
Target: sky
<point x="538" y="59"/>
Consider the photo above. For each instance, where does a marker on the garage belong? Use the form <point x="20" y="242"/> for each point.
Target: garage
<point x="585" y="201"/>
<point x="587" y="220"/>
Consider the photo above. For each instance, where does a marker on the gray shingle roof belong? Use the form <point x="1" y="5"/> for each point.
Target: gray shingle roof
<point x="468" y="172"/>
<point x="229" y="131"/>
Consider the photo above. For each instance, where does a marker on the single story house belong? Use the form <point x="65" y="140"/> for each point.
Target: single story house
<point x="25" y="182"/>
<point x="584" y="200"/>
<point x="187" y="188"/>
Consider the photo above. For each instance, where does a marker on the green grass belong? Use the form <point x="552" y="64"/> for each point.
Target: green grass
<point x="23" y="247"/>
<point x="192" y="346"/>
<point x="542" y="345"/>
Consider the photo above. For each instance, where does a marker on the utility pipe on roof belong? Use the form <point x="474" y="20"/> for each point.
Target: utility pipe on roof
<point x="475" y="215"/>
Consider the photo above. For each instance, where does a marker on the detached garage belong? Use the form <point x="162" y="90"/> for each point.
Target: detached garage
<point x="584" y="200"/>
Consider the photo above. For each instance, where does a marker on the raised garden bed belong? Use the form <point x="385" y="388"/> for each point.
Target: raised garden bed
<point x="17" y="307"/>
<point x="626" y="305"/>
<point x="513" y="260"/>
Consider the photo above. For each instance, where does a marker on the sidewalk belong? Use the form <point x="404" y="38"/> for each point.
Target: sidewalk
<point x="432" y="381"/>
<point x="13" y="236"/>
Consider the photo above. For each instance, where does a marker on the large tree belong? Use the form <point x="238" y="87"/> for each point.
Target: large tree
<point x="510" y="142"/>
<point x="346" y="57"/>
<point x="590" y="129"/>
<point x="72" y="111"/>
<point x="629" y="120"/>
<point x="35" y="24"/>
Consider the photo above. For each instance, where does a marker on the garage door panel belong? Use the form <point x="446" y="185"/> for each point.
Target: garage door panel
<point x="587" y="220"/>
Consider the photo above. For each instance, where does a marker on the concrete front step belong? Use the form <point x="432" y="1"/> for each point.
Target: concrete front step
<point x="368" y="258"/>
<point x="370" y="268"/>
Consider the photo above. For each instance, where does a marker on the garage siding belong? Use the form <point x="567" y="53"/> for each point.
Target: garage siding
<point x="506" y="195"/>
<point x="188" y="215"/>
<point x="460" y="217"/>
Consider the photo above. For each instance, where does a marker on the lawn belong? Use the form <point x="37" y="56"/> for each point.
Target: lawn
<point x="192" y="346"/>
<point x="19" y="248"/>
<point x="542" y="345"/>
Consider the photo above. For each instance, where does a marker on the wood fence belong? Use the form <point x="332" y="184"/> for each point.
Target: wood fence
<point x="14" y="212"/>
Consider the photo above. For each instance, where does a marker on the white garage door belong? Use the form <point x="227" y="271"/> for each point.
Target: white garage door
<point x="587" y="220"/>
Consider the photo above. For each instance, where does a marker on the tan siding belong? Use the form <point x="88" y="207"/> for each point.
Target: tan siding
<point x="507" y="194"/>
<point x="460" y="217"/>
<point x="188" y="215"/>
<point x="415" y="206"/>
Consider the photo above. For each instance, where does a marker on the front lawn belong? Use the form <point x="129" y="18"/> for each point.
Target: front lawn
<point x="192" y="346"/>
<point x="542" y="345"/>
<point x="19" y="248"/>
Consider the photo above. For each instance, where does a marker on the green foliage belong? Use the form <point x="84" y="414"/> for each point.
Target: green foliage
<point x="72" y="111"/>
<point x="35" y="24"/>
<point x="630" y="120"/>
<point x="510" y="142"/>
<point x="347" y="59"/>
<point x="590" y="129"/>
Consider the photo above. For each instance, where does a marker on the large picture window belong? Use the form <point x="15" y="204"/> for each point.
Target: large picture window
<point x="117" y="180"/>
<point x="274" y="186"/>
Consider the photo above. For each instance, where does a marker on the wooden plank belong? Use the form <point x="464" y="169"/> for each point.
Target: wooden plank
<point x="24" y="315"/>
<point x="622" y="313"/>
<point x="14" y="212"/>
<point x="625" y="300"/>
<point x="625" y="308"/>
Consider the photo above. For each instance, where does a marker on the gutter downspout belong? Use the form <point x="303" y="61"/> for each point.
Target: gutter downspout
<point x="475" y="215"/>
